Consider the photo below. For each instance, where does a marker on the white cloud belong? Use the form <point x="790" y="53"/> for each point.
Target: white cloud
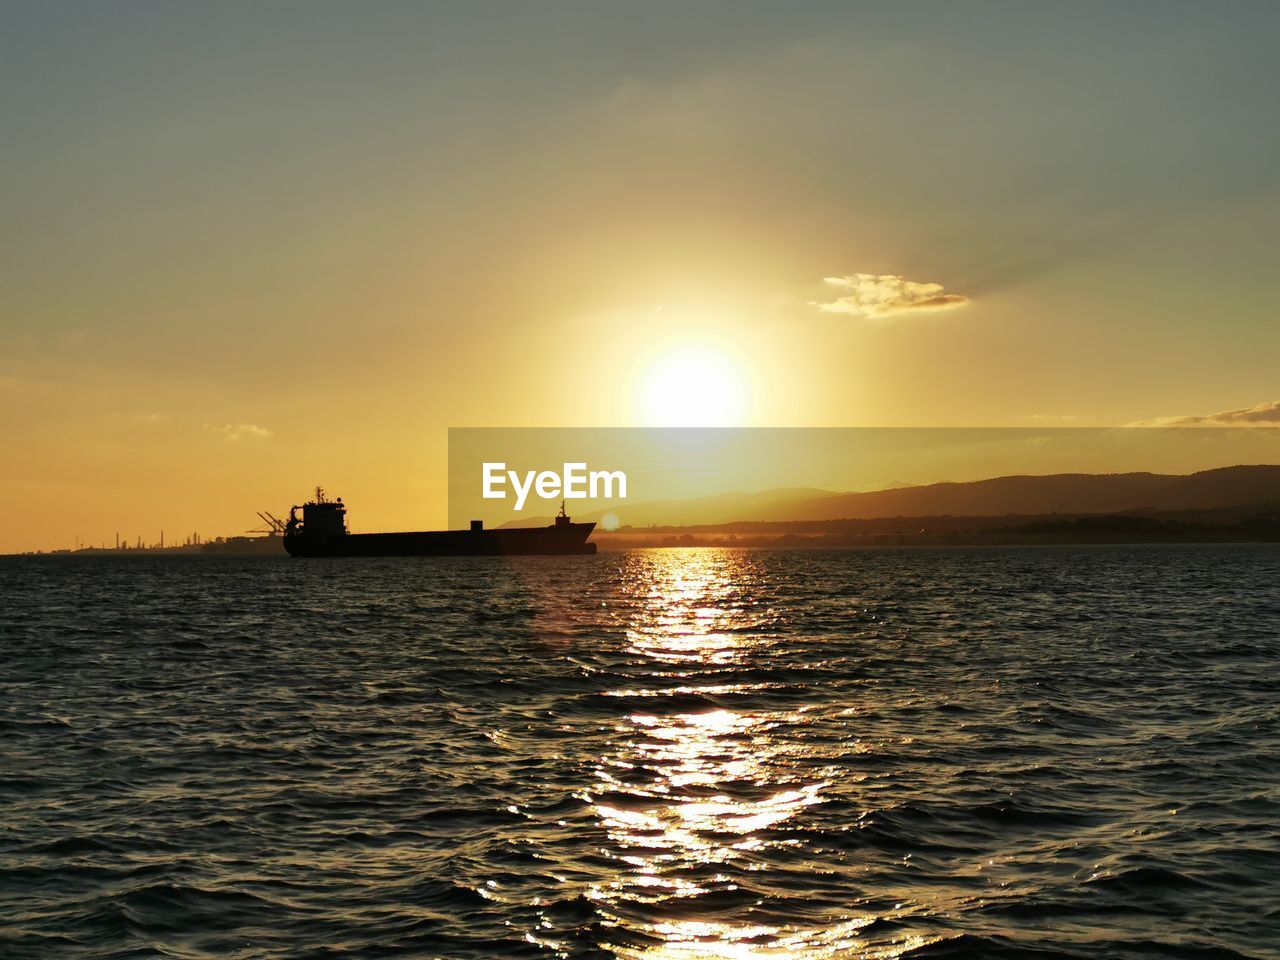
<point x="235" y="432"/>
<point x="1263" y="415"/>
<point x="875" y="296"/>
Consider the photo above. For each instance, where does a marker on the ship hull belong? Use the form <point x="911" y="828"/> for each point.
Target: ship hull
<point x="562" y="539"/>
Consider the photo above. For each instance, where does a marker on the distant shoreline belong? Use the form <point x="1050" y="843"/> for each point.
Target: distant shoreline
<point x="692" y="543"/>
<point x="817" y="544"/>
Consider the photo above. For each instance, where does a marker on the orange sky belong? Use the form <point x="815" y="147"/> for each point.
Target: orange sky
<point x="252" y="250"/>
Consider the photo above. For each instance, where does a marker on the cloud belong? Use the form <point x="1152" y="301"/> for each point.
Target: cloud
<point x="886" y="295"/>
<point x="235" y="432"/>
<point x="1263" y="415"/>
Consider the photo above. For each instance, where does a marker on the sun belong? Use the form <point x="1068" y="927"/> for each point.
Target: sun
<point x="692" y="386"/>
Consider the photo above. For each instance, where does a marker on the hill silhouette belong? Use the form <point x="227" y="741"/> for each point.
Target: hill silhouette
<point x="1066" y="493"/>
<point x="1055" y="493"/>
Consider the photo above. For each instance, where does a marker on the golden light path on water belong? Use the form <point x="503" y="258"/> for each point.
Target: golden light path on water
<point x="690" y="792"/>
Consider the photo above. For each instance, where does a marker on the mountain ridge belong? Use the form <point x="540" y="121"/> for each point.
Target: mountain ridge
<point x="1032" y="494"/>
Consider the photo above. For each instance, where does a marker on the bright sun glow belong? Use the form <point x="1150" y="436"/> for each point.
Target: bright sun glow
<point x="692" y="387"/>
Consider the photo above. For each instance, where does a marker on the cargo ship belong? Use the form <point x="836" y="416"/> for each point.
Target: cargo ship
<point x="321" y="531"/>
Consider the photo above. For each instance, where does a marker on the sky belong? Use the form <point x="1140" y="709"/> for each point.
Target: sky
<point x="250" y="248"/>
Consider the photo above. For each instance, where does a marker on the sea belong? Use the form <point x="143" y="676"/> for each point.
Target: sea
<point x="1050" y="753"/>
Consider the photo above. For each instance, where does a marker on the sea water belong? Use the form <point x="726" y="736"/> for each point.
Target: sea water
<point x="1038" y="752"/>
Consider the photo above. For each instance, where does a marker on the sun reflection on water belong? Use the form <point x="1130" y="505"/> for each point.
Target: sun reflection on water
<point x="694" y="799"/>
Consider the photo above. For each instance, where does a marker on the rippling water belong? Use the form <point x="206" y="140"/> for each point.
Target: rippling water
<point x="662" y="755"/>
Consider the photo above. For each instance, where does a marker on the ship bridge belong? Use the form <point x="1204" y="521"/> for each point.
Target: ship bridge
<point x="321" y="517"/>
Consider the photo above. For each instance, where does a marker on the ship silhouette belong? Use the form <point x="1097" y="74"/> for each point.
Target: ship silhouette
<point x="321" y="531"/>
